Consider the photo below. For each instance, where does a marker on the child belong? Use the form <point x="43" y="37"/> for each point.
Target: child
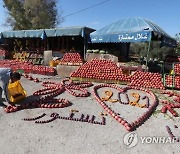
<point x="6" y="74"/>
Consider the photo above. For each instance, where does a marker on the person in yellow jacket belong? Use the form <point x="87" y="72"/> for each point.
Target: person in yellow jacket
<point x="6" y="75"/>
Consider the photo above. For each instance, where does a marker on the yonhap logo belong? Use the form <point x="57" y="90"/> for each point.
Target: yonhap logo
<point x="130" y="140"/>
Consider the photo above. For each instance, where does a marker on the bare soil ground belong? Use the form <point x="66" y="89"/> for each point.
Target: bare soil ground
<point x="66" y="136"/>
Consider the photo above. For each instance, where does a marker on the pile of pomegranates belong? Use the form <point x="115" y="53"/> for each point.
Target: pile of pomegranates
<point x="146" y="80"/>
<point x="71" y="59"/>
<point x="100" y="69"/>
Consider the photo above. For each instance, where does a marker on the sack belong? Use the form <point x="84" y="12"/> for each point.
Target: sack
<point x="16" y="92"/>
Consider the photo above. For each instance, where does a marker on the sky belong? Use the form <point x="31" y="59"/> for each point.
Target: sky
<point x="98" y="13"/>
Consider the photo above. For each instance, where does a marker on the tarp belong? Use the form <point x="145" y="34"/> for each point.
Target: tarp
<point x="70" y="32"/>
<point x="43" y="33"/>
<point x="50" y="32"/>
<point x="12" y="34"/>
<point x="32" y="33"/>
<point x="135" y="29"/>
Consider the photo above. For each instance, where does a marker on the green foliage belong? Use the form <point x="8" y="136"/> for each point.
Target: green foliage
<point x="32" y="14"/>
<point x="178" y="44"/>
<point x="16" y="18"/>
<point x="138" y="49"/>
<point x="155" y="51"/>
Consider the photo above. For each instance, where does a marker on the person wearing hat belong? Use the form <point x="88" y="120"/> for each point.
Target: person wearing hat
<point x="6" y="75"/>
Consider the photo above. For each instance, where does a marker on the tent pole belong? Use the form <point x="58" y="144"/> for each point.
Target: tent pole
<point x="84" y="48"/>
<point x="47" y="44"/>
<point x="147" y="56"/>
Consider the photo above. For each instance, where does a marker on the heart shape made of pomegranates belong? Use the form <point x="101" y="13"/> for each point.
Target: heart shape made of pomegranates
<point x="136" y="123"/>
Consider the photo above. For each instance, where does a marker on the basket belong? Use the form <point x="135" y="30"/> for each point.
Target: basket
<point x="16" y="92"/>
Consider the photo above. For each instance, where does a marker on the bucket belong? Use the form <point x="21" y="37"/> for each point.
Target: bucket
<point x="16" y="92"/>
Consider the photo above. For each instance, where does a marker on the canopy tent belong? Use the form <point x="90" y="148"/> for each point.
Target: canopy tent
<point x="84" y="32"/>
<point x="134" y="29"/>
<point x="43" y="33"/>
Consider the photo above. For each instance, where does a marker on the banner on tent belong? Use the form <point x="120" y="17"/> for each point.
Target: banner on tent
<point x="124" y="37"/>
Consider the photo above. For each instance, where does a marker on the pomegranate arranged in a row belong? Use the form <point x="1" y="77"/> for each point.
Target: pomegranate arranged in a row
<point x="100" y="69"/>
<point x="15" y="65"/>
<point x="147" y="80"/>
<point x="27" y="67"/>
<point x="43" y="70"/>
<point x="136" y="123"/>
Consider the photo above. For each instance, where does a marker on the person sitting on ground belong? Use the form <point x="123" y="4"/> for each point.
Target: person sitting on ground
<point x="6" y="76"/>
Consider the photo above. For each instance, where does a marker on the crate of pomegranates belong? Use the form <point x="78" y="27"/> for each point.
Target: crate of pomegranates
<point x="172" y="81"/>
<point x="169" y="80"/>
<point x="176" y="68"/>
<point x="177" y="81"/>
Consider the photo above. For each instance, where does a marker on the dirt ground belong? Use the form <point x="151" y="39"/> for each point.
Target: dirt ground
<point x="67" y="136"/>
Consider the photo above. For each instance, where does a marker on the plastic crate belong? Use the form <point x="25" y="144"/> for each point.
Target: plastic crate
<point x="169" y="80"/>
<point x="177" y="81"/>
<point x="176" y="68"/>
<point x="16" y="92"/>
<point x="172" y="81"/>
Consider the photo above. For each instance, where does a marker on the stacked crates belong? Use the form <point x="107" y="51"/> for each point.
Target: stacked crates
<point x="173" y="80"/>
<point x="176" y="68"/>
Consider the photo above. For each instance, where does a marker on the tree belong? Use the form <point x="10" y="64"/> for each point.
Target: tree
<point x="16" y="18"/>
<point x="177" y="36"/>
<point x="155" y="50"/>
<point x="32" y="14"/>
<point x="178" y="43"/>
